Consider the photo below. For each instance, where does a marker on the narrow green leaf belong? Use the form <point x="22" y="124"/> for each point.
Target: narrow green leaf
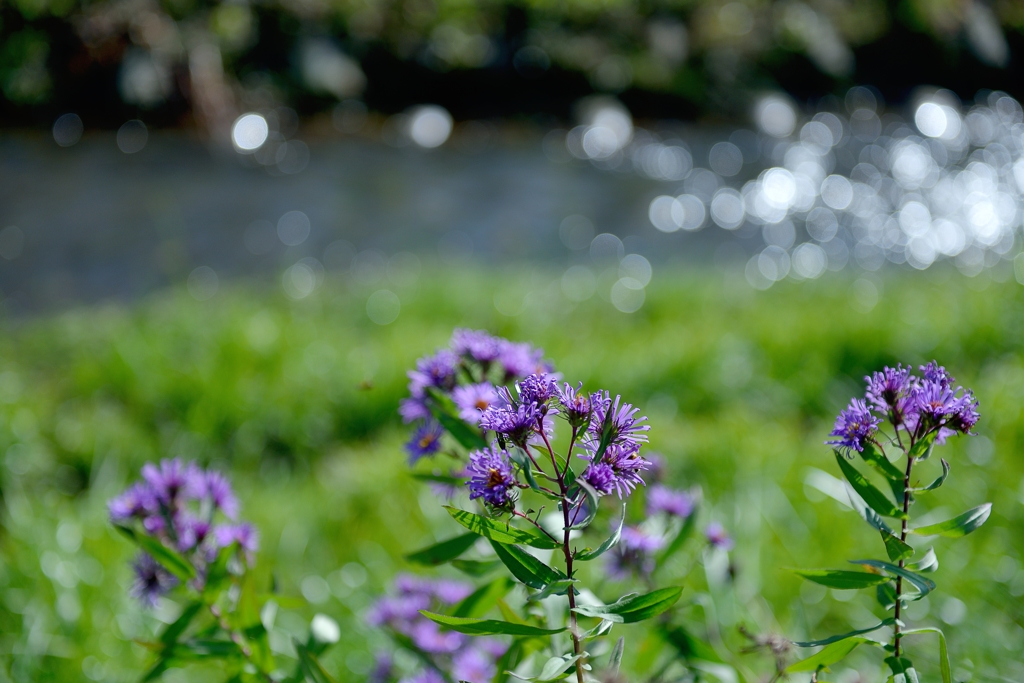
<point x="871" y="495"/>
<point x="689" y="646"/>
<point x="196" y="648"/>
<point x="488" y="627"/>
<point x="883" y="466"/>
<point x="484" y="598"/>
<point x="603" y="628"/>
<point x="615" y="658"/>
<point x="519" y="457"/>
<point x="445" y="551"/>
<point x="851" y="634"/>
<point x="312" y="670"/>
<point x="677" y="543"/>
<point x="476" y="567"/>
<point x="443" y="410"/>
<point x="923" y="448"/>
<point x="842" y="578"/>
<point x="555" y="668"/>
<point x="895" y="548"/>
<point x="938" y="481"/>
<point x="175" y="629"/>
<point x="829" y="655"/>
<point x="928" y="563"/>
<point x="593" y="501"/>
<point x="171" y="560"/>
<point x="446" y="479"/>
<point x="885" y="594"/>
<point x="961" y="525"/>
<point x="947" y="676"/>
<point x="560" y="587"/>
<point x="633" y="608"/>
<point x="525" y="567"/>
<point x="609" y="543"/>
<point x="498" y="531"/>
<point x="923" y="585"/>
<point x="865" y="511"/>
<point x="902" y="670"/>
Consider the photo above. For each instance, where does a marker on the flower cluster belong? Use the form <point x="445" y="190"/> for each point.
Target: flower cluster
<point x="926" y="406"/>
<point x="612" y="445"/>
<point x="467" y="659"/>
<point x="178" y="504"/>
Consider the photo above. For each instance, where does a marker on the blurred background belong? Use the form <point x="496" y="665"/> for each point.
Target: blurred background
<point x="227" y="229"/>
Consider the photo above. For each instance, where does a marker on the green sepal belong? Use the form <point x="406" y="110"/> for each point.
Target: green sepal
<point x="829" y="655"/>
<point x="488" y="627"/>
<point x="633" y="608"/>
<point x="842" y="579"/>
<point x="938" y="480"/>
<point x="895" y="548"/>
<point x="480" y="601"/>
<point x="922" y="584"/>
<point x="170" y="559"/>
<point x="835" y="639"/>
<point x="443" y="552"/>
<point x="609" y="543"/>
<point x="961" y="525"/>
<point x="875" y="499"/>
<point x="525" y="567"/>
<point x="500" y="532"/>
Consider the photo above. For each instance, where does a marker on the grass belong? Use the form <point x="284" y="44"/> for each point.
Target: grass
<point x="297" y="399"/>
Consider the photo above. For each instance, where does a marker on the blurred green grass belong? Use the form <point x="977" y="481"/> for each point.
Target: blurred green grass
<point x="297" y="399"/>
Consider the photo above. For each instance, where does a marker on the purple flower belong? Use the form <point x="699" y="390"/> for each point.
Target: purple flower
<point x="383" y="669"/>
<point x="426" y="440"/>
<point x="425" y="676"/>
<point x="516" y="421"/>
<point x="616" y="421"/>
<point x="576" y="405"/>
<point x="152" y="581"/>
<point x="537" y="388"/>
<point x="854" y="426"/>
<point x="887" y="390"/>
<point x="939" y="407"/>
<point x="966" y="414"/>
<point x="669" y="501"/>
<point x="718" y="537"/>
<point x="477" y="345"/>
<point x="633" y="554"/>
<point x="491" y="477"/>
<point x="171" y="479"/>
<point x="434" y="371"/>
<point x="396" y="612"/>
<point x="521" y="359"/>
<point x="191" y="531"/>
<point x="473" y="666"/>
<point x="617" y="470"/>
<point x="244" y="534"/>
<point x="429" y="637"/>
<point x="412" y="409"/>
<point x="474" y="399"/>
<point x="218" y="488"/>
<point x="138" y="501"/>
<point x="933" y="372"/>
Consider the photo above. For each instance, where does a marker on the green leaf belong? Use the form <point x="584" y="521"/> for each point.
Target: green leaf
<point x="445" y="551"/>
<point x="555" y="668"/>
<point x="476" y="567"/>
<point x="866" y="513"/>
<point x="842" y="578"/>
<point x="174" y="630"/>
<point x="902" y="670"/>
<point x="171" y="560"/>
<point x="923" y="448"/>
<point x="603" y="628"/>
<point x="525" y="567"/>
<point x="923" y="585"/>
<point x="609" y="543"/>
<point x="938" y="481"/>
<point x="446" y="479"/>
<point x="871" y="495"/>
<point x="689" y="646"/>
<point x="484" y="598"/>
<point x="829" y="655"/>
<point x="615" y="658"/>
<point x="593" y="501"/>
<point x="632" y="608"/>
<point x="883" y="466"/>
<point x="947" y="677"/>
<point x="444" y="411"/>
<point x="961" y="525"/>
<point x="197" y="648"/>
<point x="560" y="587"/>
<point x="677" y="543"/>
<point x="928" y="563"/>
<point x="311" y="668"/>
<point x="885" y="594"/>
<point x="895" y="548"/>
<point x="488" y="627"/>
<point x="500" y="532"/>
<point x="851" y="634"/>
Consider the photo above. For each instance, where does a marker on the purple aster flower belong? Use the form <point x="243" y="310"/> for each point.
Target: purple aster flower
<point x="171" y="479"/>
<point x="937" y="406"/>
<point x="521" y="359"/>
<point x="218" y="489"/>
<point x="854" y="426"/>
<point x="425" y="676"/>
<point x="966" y="414"/>
<point x="888" y="389"/>
<point x="537" y="388"/>
<point x="244" y="534"/>
<point x="933" y="372"/>
<point x="429" y="637"/>
<point x="617" y="470"/>
<point x="633" y="554"/>
<point x="434" y="371"/>
<point x="477" y="344"/>
<point x="397" y="612"/>
<point x="616" y="420"/>
<point x="491" y="477"/>
<point x="426" y="440"/>
<point x="190" y="531"/>
<point x="473" y="665"/>
<point x="515" y="421"/>
<point x="383" y="668"/>
<point x="718" y="537"/>
<point x="412" y="409"/>
<point x="576" y="405"/>
<point x="669" y="501"/>
<point x="152" y="581"/>
<point x="473" y="399"/>
<point x="450" y="592"/>
<point x="138" y="501"/>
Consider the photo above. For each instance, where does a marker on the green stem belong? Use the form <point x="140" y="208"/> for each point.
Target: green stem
<point x="903" y="537"/>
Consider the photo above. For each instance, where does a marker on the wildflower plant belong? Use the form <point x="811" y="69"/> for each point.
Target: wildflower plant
<point x="192" y="547"/>
<point x="538" y="458"/>
<point x="894" y="427"/>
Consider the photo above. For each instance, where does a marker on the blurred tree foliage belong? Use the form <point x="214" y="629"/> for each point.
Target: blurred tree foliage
<point x="196" y="61"/>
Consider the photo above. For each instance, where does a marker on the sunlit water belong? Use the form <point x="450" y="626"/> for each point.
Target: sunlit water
<point x="796" y="195"/>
